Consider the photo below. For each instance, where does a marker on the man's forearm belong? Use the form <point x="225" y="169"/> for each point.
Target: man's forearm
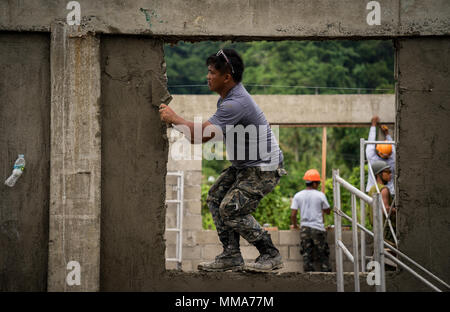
<point x="188" y="129"/>
<point x="372" y="133"/>
<point x="294" y="220"/>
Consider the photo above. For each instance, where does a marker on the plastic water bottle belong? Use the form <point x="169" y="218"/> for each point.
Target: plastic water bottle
<point x="19" y="166"/>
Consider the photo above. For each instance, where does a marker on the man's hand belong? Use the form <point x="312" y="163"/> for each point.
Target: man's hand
<point x="167" y="114"/>
<point x="294" y="227"/>
<point x="385" y="129"/>
<point x="375" y="120"/>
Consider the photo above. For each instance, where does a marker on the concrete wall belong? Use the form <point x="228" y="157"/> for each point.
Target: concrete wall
<point x="423" y="152"/>
<point x="24" y="129"/>
<point x="272" y="19"/>
<point x="313" y="110"/>
<point x="134" y="157"/>
<point x="134" y="148"/>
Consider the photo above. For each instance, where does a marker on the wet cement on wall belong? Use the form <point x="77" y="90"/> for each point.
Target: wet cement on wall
<point x="424" y="153"/>
<point x="24" y="129"/>
<point x="134" y="158"/>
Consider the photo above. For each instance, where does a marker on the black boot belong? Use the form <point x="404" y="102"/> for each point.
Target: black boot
<point x="229" y="259"/>
<point x="269" y="258"/>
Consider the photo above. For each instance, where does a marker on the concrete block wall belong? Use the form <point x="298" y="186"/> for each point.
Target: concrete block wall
<point x="204" y="245"/>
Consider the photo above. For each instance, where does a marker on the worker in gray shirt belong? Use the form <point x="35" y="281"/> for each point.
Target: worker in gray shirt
<point x="257" y="165"/>
<point x="383" y="152"/>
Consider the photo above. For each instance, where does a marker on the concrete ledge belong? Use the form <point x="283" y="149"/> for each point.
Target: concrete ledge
<point x="247" y="282"/>
<point x="246" y="19"/>
<point x="348" y="109"/>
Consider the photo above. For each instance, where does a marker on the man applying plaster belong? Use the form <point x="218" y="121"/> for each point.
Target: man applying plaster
<point x="380" y="152"/>
<point x="237" y="192"/>
<point x="383" y="174"/>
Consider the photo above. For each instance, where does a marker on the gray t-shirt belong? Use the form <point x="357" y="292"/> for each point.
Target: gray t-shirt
<point x="311" y="203"/>
<point x="248" y="138"/>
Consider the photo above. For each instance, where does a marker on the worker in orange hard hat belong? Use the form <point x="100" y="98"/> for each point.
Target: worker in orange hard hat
<point x="312" y="175"/>
<point x="384" y="152"/>
<point x="313" y="237"/>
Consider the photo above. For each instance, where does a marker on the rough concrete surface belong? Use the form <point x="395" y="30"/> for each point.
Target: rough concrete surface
<point x="248" y="282"/>
<point x="423" y="152"/>
<point x="24" y="129"/>
<point x="75" y="160"/>
<point x="272" y="19"/>
<point x="134" y="157"/>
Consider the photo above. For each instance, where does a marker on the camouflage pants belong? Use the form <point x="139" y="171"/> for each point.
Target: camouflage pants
<point x="314" y="249"/>
<point x="234" y="197"/>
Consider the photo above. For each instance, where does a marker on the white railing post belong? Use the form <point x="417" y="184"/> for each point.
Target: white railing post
<point x="355" y="243"/>
<point x="362" y="204"/>
<point x="378" y="244"/>
<point x="338" y="233"/>
<point x="180" y="194"/>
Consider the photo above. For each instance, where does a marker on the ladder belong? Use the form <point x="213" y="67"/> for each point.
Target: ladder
<point x="179" y="222"/>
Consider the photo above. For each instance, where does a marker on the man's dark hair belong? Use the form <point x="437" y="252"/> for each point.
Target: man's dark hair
<point x="310" y="183"/>
<point x="220" y="63"/>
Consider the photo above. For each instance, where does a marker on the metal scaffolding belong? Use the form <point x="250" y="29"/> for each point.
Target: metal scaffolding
<point x="379" y="244"/>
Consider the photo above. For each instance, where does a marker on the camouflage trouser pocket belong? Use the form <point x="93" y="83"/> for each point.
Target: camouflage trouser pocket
<point x="222" y="185"/>
<point x="238" y="202"/>
<point x="265" y="182"/>
<point x="281" y="172"/>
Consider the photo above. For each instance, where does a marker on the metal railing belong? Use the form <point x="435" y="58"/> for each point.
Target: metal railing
<point x="179" y="222"/>
<point x="379" y="244"/>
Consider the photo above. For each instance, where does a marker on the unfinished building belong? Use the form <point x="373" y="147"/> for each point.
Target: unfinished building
<point x="80" y="87"/>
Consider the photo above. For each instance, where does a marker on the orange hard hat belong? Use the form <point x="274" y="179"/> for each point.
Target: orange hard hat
<point x="385" y="149"/>
<point x="312" y="175"/>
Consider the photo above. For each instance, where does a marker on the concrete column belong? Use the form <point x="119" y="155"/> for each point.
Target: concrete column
<point x="423" y="154"/>
<point x="75" y="160"/>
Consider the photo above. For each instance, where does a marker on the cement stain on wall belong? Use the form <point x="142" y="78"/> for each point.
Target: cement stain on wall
<point x="149" y="14"/>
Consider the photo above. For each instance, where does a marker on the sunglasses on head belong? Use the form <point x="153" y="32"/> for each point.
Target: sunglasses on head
<point x="226" y="59"/>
